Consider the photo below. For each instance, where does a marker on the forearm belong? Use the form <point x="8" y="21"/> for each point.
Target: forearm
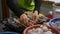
<point x="37" y="4"/>
<point x="14" y="7"/>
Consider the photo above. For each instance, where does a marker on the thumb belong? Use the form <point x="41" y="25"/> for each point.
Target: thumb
<point x="35" y="16"/>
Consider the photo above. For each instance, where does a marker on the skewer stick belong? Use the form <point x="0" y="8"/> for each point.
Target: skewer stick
<point x="17" y="21"/>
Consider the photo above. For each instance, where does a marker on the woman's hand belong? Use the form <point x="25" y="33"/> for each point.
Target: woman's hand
<point x="35" y="16"/>
<point x="23" y="19"/>
<point x="29" y="19"/>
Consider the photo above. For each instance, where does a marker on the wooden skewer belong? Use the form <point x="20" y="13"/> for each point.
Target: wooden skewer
<point x="17" y="21"/>
<point x="31" y="22"/>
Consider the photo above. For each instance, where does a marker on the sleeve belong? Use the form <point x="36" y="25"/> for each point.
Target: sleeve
<point x="14" y="7"/>
<point x="37" y="5"/>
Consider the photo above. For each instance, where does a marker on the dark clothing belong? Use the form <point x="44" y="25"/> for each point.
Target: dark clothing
<point x="37" y="5"/>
